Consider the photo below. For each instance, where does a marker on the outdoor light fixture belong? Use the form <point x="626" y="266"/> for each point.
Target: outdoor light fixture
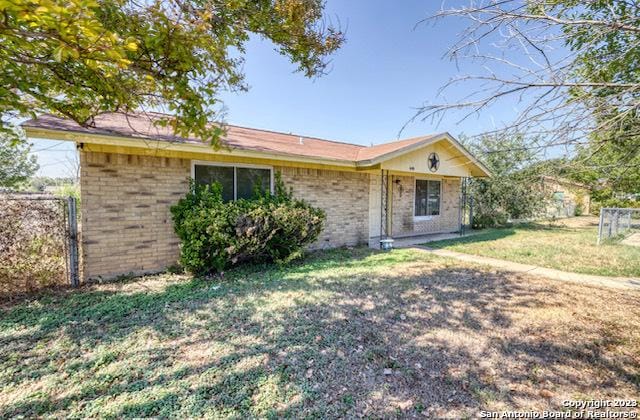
<point x="399" y="184"/>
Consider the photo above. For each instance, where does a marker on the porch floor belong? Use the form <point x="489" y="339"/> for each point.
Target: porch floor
<point x="409" y="241"/>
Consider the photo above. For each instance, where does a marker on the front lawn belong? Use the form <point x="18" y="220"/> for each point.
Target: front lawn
<point x="341" y="334"/>
<point x="568" y="245"/>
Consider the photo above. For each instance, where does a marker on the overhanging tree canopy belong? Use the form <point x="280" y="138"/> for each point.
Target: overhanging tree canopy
<point x="16" y="164"/>
<point x="78" y="58"/>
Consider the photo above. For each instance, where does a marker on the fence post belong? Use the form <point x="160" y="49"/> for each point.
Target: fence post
<point x="600" y="225"/>
<point x="72" y="217"/>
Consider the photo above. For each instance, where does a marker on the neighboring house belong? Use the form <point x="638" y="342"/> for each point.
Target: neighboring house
<point x="566" y="198"/>
<point x="132" y="172"/>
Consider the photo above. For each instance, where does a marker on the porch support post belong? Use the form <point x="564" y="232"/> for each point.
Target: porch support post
<point x="470" y="198"/>
<point x="461" y="205"/>
<point x="389" y="205"/>
<point x="385" y="204"/>
<point x="383" y="195"/>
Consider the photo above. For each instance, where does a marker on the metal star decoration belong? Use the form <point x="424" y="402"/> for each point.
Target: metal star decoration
<point x="434" y="162"/>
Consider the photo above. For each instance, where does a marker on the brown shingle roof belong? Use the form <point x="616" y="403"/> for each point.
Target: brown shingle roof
<point x="141" y="125"/>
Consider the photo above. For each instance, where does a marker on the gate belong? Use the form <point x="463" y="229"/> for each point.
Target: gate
<point x="38" y="243"/>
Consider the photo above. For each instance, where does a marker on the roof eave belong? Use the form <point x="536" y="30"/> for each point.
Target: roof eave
<point x="403" y="150"/>
<point x="78" y="136"/>
<point x="429" y="140"/>
<point x="150" y="143"/>
<point x="470" y="156"/>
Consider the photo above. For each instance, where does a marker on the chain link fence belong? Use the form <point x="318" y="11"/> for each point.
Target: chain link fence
<point x="618" y="223"/>
<point x="38" y="243"/>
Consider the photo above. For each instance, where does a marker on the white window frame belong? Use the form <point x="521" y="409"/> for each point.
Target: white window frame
<point x="415" y="187"/>
<point x="235" y="166"/>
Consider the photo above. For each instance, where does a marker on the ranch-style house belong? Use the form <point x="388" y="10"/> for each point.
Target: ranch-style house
<point x="133" y="171"/>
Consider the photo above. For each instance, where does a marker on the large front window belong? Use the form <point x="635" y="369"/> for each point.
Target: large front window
<point x="236" y="181"/>
<point x="427" y="198"/>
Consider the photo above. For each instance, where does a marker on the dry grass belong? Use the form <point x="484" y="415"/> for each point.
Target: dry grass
<point x="566" y="244"/>
<point x="344" y="333"/>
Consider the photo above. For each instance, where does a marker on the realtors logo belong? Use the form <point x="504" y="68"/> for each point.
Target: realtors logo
<point x="434" y="162"/>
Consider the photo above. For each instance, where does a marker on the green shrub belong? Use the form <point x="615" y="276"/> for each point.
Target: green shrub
<point x="612" y="203"/>
<point x="489" y="219"/>
<point x="579" y="211"/>
<point x="66" y="190"/>
<point x="216" y="235"/>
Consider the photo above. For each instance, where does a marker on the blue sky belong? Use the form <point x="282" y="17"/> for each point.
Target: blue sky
<point x="386" y="69"/>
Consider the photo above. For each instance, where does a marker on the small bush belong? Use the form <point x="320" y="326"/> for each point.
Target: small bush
<point x="66" y="190"/>
<point x="579" y="211"/>
<point x="489" y="219"/>
<point x="612" y="203"/>
<point x="216" y="235"/>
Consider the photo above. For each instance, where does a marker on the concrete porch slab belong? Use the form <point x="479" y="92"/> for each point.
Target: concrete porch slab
<point x="410" y="241"/>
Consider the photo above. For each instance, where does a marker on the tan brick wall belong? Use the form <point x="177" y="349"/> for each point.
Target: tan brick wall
<point x="344" y="196"/>
<point x="127" y="226"/>
<point x="126" y="223"/>
<point x="374" y="206"/>
<point x="403" y="208"/>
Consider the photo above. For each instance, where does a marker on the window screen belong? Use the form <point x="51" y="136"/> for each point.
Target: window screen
<point x="208" y="174"/>
<point x="236" y="182"/>
<point x="250" y="180"/>
<point x="427" y="198"/>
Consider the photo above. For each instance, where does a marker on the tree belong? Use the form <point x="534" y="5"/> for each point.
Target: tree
<point x="570" y="68"/>
<point x="514" y="190"/>
<point x="16" y="164"/>
<point x="610" y="163"/>
<point x="78" y="58"/>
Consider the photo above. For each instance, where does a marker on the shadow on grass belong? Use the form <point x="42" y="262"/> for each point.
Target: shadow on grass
<point x="549" y="226"/>
<point x="85" y="314"/>
<point x="392" y="336"/>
